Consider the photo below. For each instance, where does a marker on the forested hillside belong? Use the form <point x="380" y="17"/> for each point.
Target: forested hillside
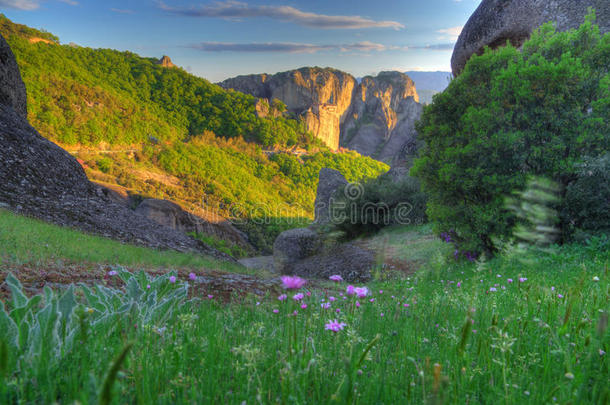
<point x="164" y="133"/>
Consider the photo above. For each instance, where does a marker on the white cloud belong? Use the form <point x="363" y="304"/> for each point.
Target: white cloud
<point x="288" y="47"/>
<point x="121" y="11"/>
<point x="21" y="4"/>
<point x="451" y="34"/>
<point x="70" y="2"/>
<point x="230" y="9"/>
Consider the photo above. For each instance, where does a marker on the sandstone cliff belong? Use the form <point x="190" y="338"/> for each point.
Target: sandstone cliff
<point x="375" y="118"/>
<point x="321" y="96"/>
<point x="381" y="120"/>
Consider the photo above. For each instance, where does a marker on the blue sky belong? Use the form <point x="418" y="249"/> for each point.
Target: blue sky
<point x="225" y="38"/>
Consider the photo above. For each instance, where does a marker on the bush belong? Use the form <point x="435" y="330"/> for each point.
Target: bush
<point x="512" y="114"/>
<point x="365" y="208"/>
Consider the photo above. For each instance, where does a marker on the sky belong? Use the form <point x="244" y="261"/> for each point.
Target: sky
<point x="218" y="39"/>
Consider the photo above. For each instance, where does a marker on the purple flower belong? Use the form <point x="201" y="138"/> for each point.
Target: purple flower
<point x="112" y="273"/>
<point x="493" y="289"/>
<point x="257" y="303"/>
<point x="331" y="298"/>
<point x="361" y="292"/>
<point x="282" y="297"/>
<point x="298" y="297"/>
<point x="192" y="276"/>
<point x="459" y="284"/>
<point x="172" y="279"/>
<point x="304" y="306"/>
<point x="336" y="278"/>
<point x="552" y="288"/>
<point x="325" y="305"/>
<point x="510" y="280"/>
<point x="522" y="279"/>
<point x="380" y="291"/>
<point x="308" y="293"/>
<point x="337" y="310"/>
<point x="276" y="311"/>
<point x="148" y="286"/>
<point x="293" y="282"/>
<point x="335" y="326"/>
<point x="559" y="296"/>
<point x="350" y="290"/>
<point x="381" y="314"/>
<point x="372" y="300"/>
<point x="357" y="304"/>
<point x="405" y="305"/>
<point x="210" y="296"/>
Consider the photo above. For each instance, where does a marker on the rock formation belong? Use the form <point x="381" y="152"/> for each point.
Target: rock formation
<point x="172" y="215"/>
<point x="496" y="21"/>
<point x="329" y="181"/>
<point x="321" y="96"/>
<point x="40" y="179"/>
<point x="166" y="62"/>
<point x="375" y="118"/>
<point x="381" y="120"/>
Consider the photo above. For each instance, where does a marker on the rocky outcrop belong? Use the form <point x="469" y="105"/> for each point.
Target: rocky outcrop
<point x="375" y="118"/>
<point x="12" y="90"/>
<point x="292" y="246"/>
<point x="496" y="21"/>
<point x="381" y="121"/>
<point x="40" y="179"/>
<point x="166" y="62"/>
<point x="174" y="216"/>
<point x="329" y="181"/>
<point x="321" y="96"/>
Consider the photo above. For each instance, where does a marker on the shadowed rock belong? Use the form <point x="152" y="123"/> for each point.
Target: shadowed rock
<point x="497" y="21"/>
<point x="329" y="182"/>
<point x="12" y="89"/>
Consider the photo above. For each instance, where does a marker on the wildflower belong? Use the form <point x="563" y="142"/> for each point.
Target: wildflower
<point x="325" y="305"/>
<point x="210" y="296"/>
<point x="276" y="311"/>
<point x="569" y="376"/>
<point x="510" y="281"/>
<point x="331" y="298"/>
<point x="405" y="305"/>
<point x="335" y="326"/>
<point x="295" y="313"/>
<point x="298" y="297"/>
<point x="350" y="290"/>
<point x="493" y="289"/>
<point x="357" y="304"/>
<point x="552" y="288"/>
<point x="90" y="310"/>
<point x="293" y="282"/>
<point x="148" y="286"/>
<point x="361" y="292"/>
<point x="192" y="276"/>
<point x="337" y="310"/>
<point x="282" y="297"/>
<point x="522" y="279"/>
<point x="474" y="331"/>
<point x="372" y="300"/>
<point x="380" y="291"/>
<point x="559" y="296"/>
<point x="112" y="273"/>
<point x="308" y="293"/>
<point x="459" y="284"/>
<point x="304" y="306"/>
<point x="601" y="352"/>
<point x="381" y="315"/>
<point x="172" y="279"/>
<point x="336" y="278"/>
<point x="499" y="276"/>
<point x="596" y="279"/>
<point x="257" y="303"/>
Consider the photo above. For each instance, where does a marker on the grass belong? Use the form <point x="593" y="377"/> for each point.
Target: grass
<point x="28" y="241"/>
<point x="442" y="335"/>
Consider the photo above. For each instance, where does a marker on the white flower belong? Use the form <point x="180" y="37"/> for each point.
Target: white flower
<point x="596" y="279"/>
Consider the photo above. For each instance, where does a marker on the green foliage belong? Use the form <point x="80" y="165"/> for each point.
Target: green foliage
<point x="509" y="115"/>
<point x="88" y="96"/>
<point x="365" y="208"/>
<point x="222" y="245"/>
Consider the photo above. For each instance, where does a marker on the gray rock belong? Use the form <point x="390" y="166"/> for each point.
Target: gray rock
<point x="496" y="21"/>
<point x="12" y="90"/>
<point x="329" y="181"/>
<point x="294" y="245"/>
<point x="351" y="262"/>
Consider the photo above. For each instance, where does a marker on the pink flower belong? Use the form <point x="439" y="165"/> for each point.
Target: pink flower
<point x="493" y="289"/>
<point x="282" y="297"/>
<point x="210" y="296"/>
<point x="331" y="298"/>
<point x="522" y="279"/>
<point x="361" y="292"/>
<point x="335" y="326"/>
<point x="380" y="291"/>
<point x="325" y="305"/>
<point x="298" y="297"/>
<point x="357" y="304"/>
<point x="381" y="315"/>
<point x="350" y="290"/>
<point x="276" y="311"/>
<point x="308" y="293"/>
<point x="406" y="305"/>
<point x="337" y="310"/>
<point x="559" y="296"/>
<point x="293" y="282"/>
<point x="295" y="313"/>
<point x="192" y="276"/>
<point x="372" y="300"/>
<point x="148" y="286"/>
<point x="336" y="278"/>
<point x="552" y="288"/>
<point x="172" y="279"/>
<point x="459" y="284"/>
<point x="304" y="306"/>
<point x="112" y="273"/>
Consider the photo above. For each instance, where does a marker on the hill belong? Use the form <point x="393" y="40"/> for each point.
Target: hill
<point x="160" y="132"/>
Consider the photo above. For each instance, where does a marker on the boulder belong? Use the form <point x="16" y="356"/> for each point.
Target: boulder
<point x="40" y="179"/>
<point x="172" y="215"/>
<point x="329" y="181"/>
<point x="496" y="21"/>
<point x="294" y="245"/>
<point x="12" y="89"/>
<point x="351" y="262"/>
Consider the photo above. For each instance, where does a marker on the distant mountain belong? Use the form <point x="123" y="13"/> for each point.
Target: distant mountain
<point x="429" y="83"/>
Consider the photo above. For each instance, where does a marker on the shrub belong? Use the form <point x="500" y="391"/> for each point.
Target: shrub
<point x="365" y="208"/>
<point x="512" y="114"/>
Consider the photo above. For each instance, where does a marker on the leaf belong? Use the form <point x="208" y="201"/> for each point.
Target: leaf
<point x="106" y="394"/>
<point x="8" y="328"/>
<point x="19" y="298"/>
